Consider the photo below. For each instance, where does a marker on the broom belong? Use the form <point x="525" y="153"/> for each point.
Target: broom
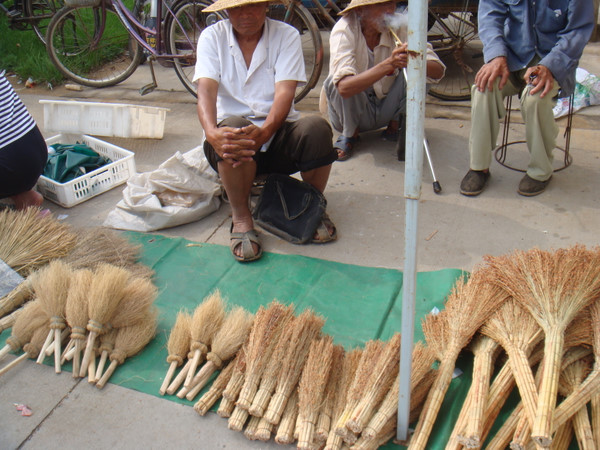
<point x="17" y="297"/>
<point x="311" y="388"/>
<point x="468" y="306"/>
<point x="285" y="429"/>
<point x="9" y="320"/>
<point x="234" y="386"/>
<point x="177" y="346"/>
<point x="105" y="348"/>
<point x="138" y="296"/>
<point x="251" y="428"/>
<point x="216" y="390"/>
<point x="77" y="313"/>
<point x="517" y="332"/>
<point x="31" y="349"/>
<point x="30" y="241"/>
<point x="554" y="287"/>
<point x="595" y="401"/>
<point x="51" y="288"/>
<point x="370" y="355"/>
<point x="130" y="341"/>
<point x="180" y="378"/>
<point x="268" y="326"/>
<point x="225" y="344"/>
<point x="388" y="431"/>
<point x="238" y="418"/>
<point x="31" y="319"/>
<point x="421" y="378"/>
<point x="106" y="292"/>
<point x="379" y="383"/>
<point x="349" y="367"/>
<point x="264" y="430"/>
<point x="325" y="416"/>
<point x="206" y="321"/>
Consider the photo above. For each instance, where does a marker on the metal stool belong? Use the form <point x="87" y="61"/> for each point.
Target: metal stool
<point x="500" y="152"/>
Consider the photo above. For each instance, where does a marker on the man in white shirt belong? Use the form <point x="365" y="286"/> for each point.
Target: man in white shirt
<point x="247" y="71"/>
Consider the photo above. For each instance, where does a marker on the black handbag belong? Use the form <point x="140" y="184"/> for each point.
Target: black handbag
<point x="289" y="208"/>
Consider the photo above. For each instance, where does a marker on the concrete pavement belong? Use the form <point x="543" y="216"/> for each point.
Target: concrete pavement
<point x="365" y="199"/>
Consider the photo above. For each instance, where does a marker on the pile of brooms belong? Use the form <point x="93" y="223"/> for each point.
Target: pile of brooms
<point x="83" y="288"/>
<point x="531" y="319"/>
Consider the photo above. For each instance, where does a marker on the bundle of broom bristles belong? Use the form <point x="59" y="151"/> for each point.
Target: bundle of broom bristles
<point x="530" y="318"/>
<point x="84" y="295"/>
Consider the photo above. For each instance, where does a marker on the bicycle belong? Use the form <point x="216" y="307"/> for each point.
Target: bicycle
<point x="22" y="14"/>
<point x="102" y="43"/>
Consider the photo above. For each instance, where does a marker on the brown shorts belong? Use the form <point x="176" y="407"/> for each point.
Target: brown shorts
<point x="298" y="146"/>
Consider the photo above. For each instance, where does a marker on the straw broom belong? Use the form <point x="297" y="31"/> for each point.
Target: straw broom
<point x="349" y="367"/>
<point x="31" y="318"/>
<point x="522" y="434"/>
<point x="51" y="288"/>
<point x="30" y="241"/>
<point x="285" y="429"/>
<point x="311" y="388"/>
<point x="225" y="344"/>
<point x="216" y="390"/>
<point x="251" y="428"/>
<point x="595" y="401"/>
<point x="138" y="296"/>
<point x="31" y="349"/>
<point x="234" y="385"/>
<point x="387" y="432"/>
<point x="325" y="416"/>
<point x="106" y="292"/>
<point x="130" y="341"/>
<point x="206" y="321"/>
<point x="269" y="323"/>
<point x="76" y="311"/>
<point x="264" y="430"/>
<point x="370" y="355"/>
<point x="380" y="382"/>
<point x="8" y="321"/>
<point x="502" y="438"/>
<point x="105" y="348"/>
<point x="238" y="418"/>
<point x="468" y="306"/>
<point x="554" y="287"/>
<point x="421" y="378"/>
<point x="571" y="377"/>
<point x="17" y="297"/>
<point x="177" y="346"/>
<point x="180" y="378"/>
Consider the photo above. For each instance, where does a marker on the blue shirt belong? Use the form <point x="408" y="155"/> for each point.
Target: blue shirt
<point x="554" y="30"/>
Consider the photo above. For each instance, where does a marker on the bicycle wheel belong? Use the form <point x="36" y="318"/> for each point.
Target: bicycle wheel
<point x="455" y="39"/>
<point x="312" y="46"/>
<point x="91" y="46"/>
<point x="183" y="29"/>
<point x="41" y="12"/>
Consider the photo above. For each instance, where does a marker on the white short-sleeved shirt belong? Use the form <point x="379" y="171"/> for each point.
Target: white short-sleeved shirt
<point x="249" y="92"/>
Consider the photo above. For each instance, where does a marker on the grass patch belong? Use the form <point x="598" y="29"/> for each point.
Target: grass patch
<point x="22" y="53"/>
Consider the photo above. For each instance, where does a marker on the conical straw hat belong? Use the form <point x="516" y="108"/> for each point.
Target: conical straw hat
<point x="356" y="3"/>
<point x="220" y="5"/>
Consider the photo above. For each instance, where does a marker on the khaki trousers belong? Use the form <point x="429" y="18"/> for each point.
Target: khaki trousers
<point x="487" y="109"/>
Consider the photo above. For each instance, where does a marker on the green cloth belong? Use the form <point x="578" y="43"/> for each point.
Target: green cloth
<point x="68" y="162"/>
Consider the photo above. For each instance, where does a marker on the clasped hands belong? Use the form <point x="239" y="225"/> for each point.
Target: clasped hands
<point x="237" y="145"/>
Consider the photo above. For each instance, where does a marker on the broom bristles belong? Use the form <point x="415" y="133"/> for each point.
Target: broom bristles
<point x="77" y="306"/>
<point x="206" y="320"/>
<point x="17" y="297"/>
<point x="106" y="292"/>
<point x="138" y="295"/>
<point x="230" y="337"/>
<point x="31" y="319"/>
<point x="51" y="288"/>
<point x="178" y="344"/>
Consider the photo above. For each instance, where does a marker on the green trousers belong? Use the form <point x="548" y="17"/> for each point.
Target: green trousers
<point x="487" y="109"/>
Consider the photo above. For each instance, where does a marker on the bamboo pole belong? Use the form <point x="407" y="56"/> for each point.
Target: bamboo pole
<point x="211" y="396"/>
<point x="311" y="388"/>
<point x="206" y="321"/>
<point x="469" y="305"/>
<point x="178" y="346"/>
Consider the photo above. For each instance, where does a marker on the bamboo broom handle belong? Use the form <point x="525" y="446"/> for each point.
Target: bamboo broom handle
<point x="101" y="364"/>
<point x="77" y="357"/>
<point x="47" y="342"/>
<point x="505" y="433"/>
<point x="205" y="402"/>
<point x="522" y="435"/>
<point x="226" y="407"/>
<point x="183" y="392"/>
<point x="50" y="350"/>
<point x="262" y="397"/>
<point x="201" y="378"/>
<point x="563" y="436"/>
<point x="238" y="419"/>
<point x="264" y="430"/>
<point x="287" y="424"/>
<point x="13" y="363"/>
<point x="168" y="376"/>
<point x="595" y="402"/>
<point x="456" y="437"/>
<point x="193" y="366"/>
<point x="362" y="413"/>
<point x="525" y="381"/>
<point x="432" y="404"/>
<point x="306" y="431"/>
<point x="580" y="396"/>
<point x="87" y="354"/>
<point x="64" y="357"/>
<point x="541" y="429"/>
<point x="248" y="392"/>
<point x="102" y="382"/>
<point x="323" y="427"/>
<point x="57" y="342"/>
<point x="583" y="430"/>
<point x="276" y="406"/>
<point x="232" y="391"/>
<point x="251" y="427"/>
<point x="179" y="378"/>
<point x="334" y="442"/>
<point x="91" y="370"/>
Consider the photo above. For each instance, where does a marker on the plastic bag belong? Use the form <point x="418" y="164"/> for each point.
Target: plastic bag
<point x="587" y="93"/>
<point x="183" y="189"/>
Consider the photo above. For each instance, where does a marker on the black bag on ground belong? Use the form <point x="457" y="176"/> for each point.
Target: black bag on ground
<point x="289" y="208"/>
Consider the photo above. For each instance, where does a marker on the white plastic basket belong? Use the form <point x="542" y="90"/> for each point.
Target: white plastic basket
<point x="93" y="183"/>
<point x="104" y="119"/>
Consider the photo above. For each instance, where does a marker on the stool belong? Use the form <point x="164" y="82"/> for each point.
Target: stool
<point x="500" y="152"/>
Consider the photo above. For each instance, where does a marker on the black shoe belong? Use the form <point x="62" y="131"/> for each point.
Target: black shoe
<point x="401" y="142"/>
<point x="530" y="187"/>
<point x="474" y="182"/>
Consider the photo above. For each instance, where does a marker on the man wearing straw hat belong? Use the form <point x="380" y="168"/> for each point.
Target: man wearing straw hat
<point x="531" y="49"/>
<point x="247" y="71"/>
<point x="365" y="89"/>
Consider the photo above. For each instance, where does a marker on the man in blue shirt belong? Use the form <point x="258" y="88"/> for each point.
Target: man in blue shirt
<point x="530" y="48"/>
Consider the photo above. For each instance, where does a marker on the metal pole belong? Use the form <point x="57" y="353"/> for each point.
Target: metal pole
<point x="415" y="116"/>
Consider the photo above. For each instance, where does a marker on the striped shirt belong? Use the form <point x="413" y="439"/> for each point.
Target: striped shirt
<point x="15" y="120"/>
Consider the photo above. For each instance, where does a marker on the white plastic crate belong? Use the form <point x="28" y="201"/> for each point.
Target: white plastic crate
<point x="104" y="119"/>
<point x="93" y="183"/>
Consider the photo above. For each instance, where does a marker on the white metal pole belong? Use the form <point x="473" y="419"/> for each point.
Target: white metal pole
<point x="415" y="116"/>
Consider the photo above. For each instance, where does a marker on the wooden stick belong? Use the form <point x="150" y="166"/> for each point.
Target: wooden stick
<point x="180" y="376"/>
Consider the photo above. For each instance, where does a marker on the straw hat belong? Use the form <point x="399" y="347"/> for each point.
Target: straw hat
<point x="356" y="3"/>
<point x="220" y="5"/>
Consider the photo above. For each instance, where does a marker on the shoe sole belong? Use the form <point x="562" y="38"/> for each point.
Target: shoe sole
<point x="530" y="194"/>
<point x="471" y="193"/>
